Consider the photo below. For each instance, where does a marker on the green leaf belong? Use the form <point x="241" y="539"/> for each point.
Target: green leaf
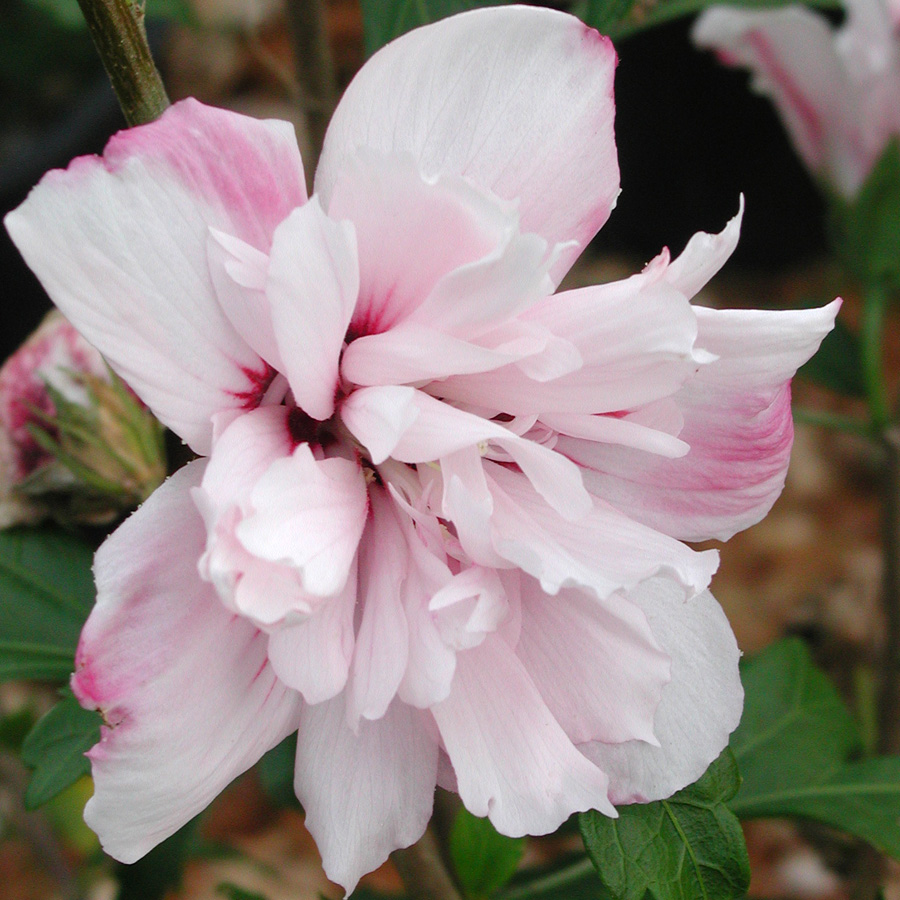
<point x="795" y="729"/>
<point x="383" y="20"/>
<point x="689" y="846"/>
<point x="793" y="745"/>
<point x="236" y="892"/>
<point x="483" y="860"/>
<point x="55" y="749"/>
<point x="567" y="879"/>
<point x="861" y="798"/>
<point x="867" y="229"/>
<point x="46" y="593"/>
<point x="68" y="14"/>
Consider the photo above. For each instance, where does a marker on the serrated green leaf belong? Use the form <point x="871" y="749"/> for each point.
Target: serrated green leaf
<point x="55" y="750"/>
<point x="384" y="20"/>
<point x="483" y="860"/>
<point x="867" y="229"/>
<point x="689" y="847"/>
<point x="795" y="729"/>
<point x="46" y="593"/>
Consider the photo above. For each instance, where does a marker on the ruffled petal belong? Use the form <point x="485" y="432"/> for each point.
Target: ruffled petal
<point x="310" y="514"/>
<point x="737" y="422"/>
<point x="699" y="707"/>
<point x="520" y="101"/>
<point x="312" y="286"/>
<point x="367" y="793"/>
<point x="189" y="699"/>
<point x="120" y="244"/>
<point x="513" y="761"/>
<point x="596" y="664"/>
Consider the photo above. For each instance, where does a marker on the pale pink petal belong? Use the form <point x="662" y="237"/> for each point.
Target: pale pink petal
<point x="120" y="244"/>
<point x="309" y="513"/>
<point x="439" y="430"/>
<point x="737" y="422"/>
<point x="382" y="642"/>
<point x="596" y="664"/>
<point x="621" y="430"/>
<point x="469" y="607"/>
<point x="239" y="271"/>
<point x="442" y="223"/>
<point x="313" y="656"/>
<point x="368" y="793"/>
<point x="184" y="687"/>
<point x="603" y="552"/>
<point x="513" y="761"/>
<point x="636" y="342"/>
<point x="312" y="288"/>
<point x="699" y="707"/>
<point x="703" y="256"/>
<point x="517" y="100"/>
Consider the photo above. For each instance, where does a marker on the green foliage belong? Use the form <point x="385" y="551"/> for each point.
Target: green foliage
<point x="236" y="892"/>
<point x="483" y="860"/>
<point x="276" y="773"/>
<point x="689" y="846"/>
<point x="55" y="749"/>
<point x="793" y="747"/>
<point x="46" y="593"/>
<point x="866" y="230"/>
<point x="68" y="14"/>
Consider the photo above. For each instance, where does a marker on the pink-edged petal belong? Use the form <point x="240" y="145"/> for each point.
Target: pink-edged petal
<point x="604" y="551"/>
<point x="120" y="244"/>
<point x="309" y="513"/>
<point x="382" y="642"/>
<point x="365" y="793"/>
<point x="518" y="100"/>
<point x="703" y="256"/>
<point x="313" y="656"/>
<point x="794" y="59"/>
<point x="737" y="422"/>
<point x="239" y="272"/>
<point x="513" y="761"/>
<point x="699" y="707"/>
<point x="312" y="288"/>
<point x="188" y="698"/>
<point x="596" y="664"/>
<point x="636" y="342"/>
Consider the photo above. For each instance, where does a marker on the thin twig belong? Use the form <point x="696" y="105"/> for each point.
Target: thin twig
<point x="117" y="28"/>
<point x="423" y="872"/>
<point x="315" y="68"/>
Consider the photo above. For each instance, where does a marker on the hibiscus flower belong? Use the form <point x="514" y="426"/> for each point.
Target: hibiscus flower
<point x="436" y="526"/>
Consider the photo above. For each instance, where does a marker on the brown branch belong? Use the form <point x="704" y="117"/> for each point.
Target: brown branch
<point x="117" y="28"/>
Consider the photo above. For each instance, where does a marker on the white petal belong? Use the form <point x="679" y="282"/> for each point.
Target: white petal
<point x="699" y="708"/>
<point x="518" y="100"/>
<point x="365" y="794"/>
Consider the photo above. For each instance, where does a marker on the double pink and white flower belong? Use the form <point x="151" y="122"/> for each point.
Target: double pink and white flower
<point x="837" y="90"/>
<point x="436" y="529"/>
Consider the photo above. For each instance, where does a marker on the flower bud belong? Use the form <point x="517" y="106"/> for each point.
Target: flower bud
<point x="76" y="445"/>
